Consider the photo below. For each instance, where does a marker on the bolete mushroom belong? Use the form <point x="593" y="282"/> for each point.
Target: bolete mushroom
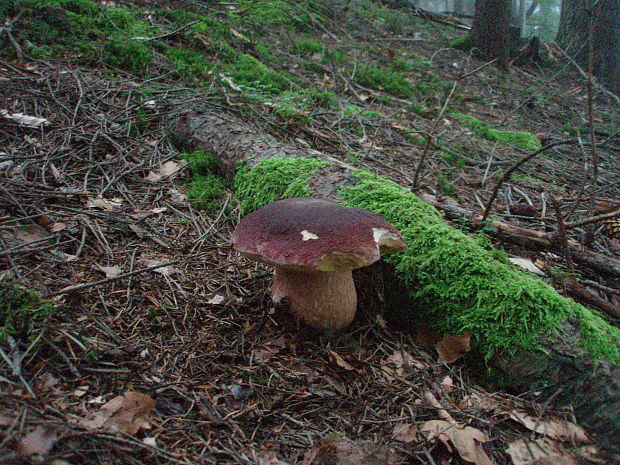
<point x="314" y="244"/>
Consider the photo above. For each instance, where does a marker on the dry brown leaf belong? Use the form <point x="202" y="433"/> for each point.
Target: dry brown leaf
<point x="103" y="203"/>
<point x="58" y="227"/>
<point x="168" y="169"/>
<point x="541" y="451"/>
<point x="405" y="432"/>
<point x="341" y="362"/>
<point x="343" y="451"/>
<point x="24" y="120"/>
<point x="556" y="429"/>
<point x="110" y="271"/>
<point x="451" y="348"/>
<point x="268" y="458"/>
<point x="37" y="442"/>
<point x="400" y="363"/>
<point x="126" y="413"/>
<point x="31" y="233"/>
<point x="177" y="196"/>
<point x="425" y="336"/>
<point x="465" y="439"/>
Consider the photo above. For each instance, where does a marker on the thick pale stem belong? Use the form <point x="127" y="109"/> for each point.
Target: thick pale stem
<point x="322" y="299"/>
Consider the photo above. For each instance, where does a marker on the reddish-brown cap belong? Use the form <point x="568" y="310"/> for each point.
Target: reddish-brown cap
<point x="309" y="233"/>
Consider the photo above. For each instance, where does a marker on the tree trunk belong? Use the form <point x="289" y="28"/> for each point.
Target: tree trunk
<point x="490" y="29"/>
<point x="573" y="36"/>
<point x="561" y="362"/>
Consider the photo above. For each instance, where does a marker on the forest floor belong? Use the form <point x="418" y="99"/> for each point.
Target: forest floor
<point x="155" y="342"/>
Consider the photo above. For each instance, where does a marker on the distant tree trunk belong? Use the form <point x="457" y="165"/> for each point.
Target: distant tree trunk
<point x="530" y="11"/>
<point x="573" y="36"/>
<point x="459" y="7"/>
<point x="490" y="29"/>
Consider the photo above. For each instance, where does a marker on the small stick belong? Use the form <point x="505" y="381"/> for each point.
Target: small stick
<point x="592" y="219"/>
<point x="79" y="287"/>
<point x="562" y="232"/>
<point x="516" y="166"/>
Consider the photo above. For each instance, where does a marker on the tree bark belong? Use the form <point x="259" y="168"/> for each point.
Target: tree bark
<point x="573" y="36"/>
<point x="591" y="387"/>
<point x="490" y="29"/>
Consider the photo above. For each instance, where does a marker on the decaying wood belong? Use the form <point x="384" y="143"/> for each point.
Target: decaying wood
<point x="591" y="388"/>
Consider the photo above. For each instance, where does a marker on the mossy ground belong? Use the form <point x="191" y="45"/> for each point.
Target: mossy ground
<point x="461" y="285"/>
<point x="206" y="189"/>
<point x="21" y="311"/>
<point x="519" y="139"/>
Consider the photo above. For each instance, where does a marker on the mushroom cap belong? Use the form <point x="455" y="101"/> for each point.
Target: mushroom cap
<point x="307" y="233"/>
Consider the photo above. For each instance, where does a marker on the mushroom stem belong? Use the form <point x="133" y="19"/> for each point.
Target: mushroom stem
<point x="322" y="299"/>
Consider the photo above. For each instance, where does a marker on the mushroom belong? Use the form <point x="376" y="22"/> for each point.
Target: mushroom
<point x="314" y="245"/>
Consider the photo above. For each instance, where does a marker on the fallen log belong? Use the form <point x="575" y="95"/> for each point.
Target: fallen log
<point x="599" y="263"/>
<point x="532" y="337"/>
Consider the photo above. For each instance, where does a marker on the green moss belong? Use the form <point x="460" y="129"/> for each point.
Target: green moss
<point x="308" y="46"/>
<point x="189" y="63"/>
<point x="464" y="287"/>
<point x="250" y="72"/>
<point x="459" y="283"/>
<point x="274" y="179"/>
<point x="129" y="55"/>
<point x="356" y="110"/>
<point x="382" y="79"/>
<point x="463" y="43"/>
<point x="21" y="311"/>
<point x="201" y="162"/>
<point x="519" y="139"/>
<point x="267" y="14"/>
<point x="453" y="158"/>
<point x="206" y="192"/>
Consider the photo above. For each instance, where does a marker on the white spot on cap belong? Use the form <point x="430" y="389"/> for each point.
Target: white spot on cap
<point x="307" y="235"/>
<point x="387" y="239"/>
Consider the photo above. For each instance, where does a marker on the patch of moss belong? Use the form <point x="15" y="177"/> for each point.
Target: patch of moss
<point x="189" y="63"/>
<point x="206" y="192"/>
<point x="201" y="162"/>
<point x="464" y="43"/>
<point x="382" y="79"/>
<point x="130" y="55"/>
<point x="453" y="158"/>
<point x="356" y="110"/>
<point x="250" y="72"/>
<point x="464" y="287"/>
<point x="274" y="179"/>
<point x="308" y="46"/>
<point x="460" y="285"/>
<point x="21" y="311"/>
<point x="519" y="139"/>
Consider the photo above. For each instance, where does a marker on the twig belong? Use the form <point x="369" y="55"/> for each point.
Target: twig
<point x="598" y="86"/>
<point x="430" y="136"/>
<point x="79" y="287"/>
<point x="167" y="34"/>
<point x="592" y="219"/>
<point x="562" y="232"/>
<point x="517" y="165"/>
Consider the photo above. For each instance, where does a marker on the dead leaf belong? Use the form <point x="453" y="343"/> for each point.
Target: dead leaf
<point x="37" y="442"/>
<point x="103" y="203"/>
<point x="150" y="441"/>
<point x="341" y="450"/>
<point x="24" y="120"/>
<point x="81" y="390"/>
<point x="556" y="429"/>
<point x="177" y="196"/>
<point x="46" y="382"/>
<point x="126" y="413"/>
<point x="527" y="265"/>
<point x="216" y="299"/>
<point x="451" y="348"/>
<point x="110" y="271"/>
<point x="167" y="170"/>
<point x="67" y="257"/>
<point x="400" y="363"/>
<point x="426" y="336"/>
<point x="164" y="270"/>
<point x="58" y="227"/>
<point x="342" y="363"/>
<point x="31" y="233"/>
<point x="405" y="432"/>
<point x="541" y="451"/>
<point x="269" y="458"/>
<point x="465" y="439"/>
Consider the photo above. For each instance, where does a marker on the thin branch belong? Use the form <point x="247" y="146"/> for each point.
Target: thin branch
<point x="516" y="166"/>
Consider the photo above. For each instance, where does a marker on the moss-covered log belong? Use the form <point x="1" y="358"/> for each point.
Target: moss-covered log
<point x="532" y="337"/>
